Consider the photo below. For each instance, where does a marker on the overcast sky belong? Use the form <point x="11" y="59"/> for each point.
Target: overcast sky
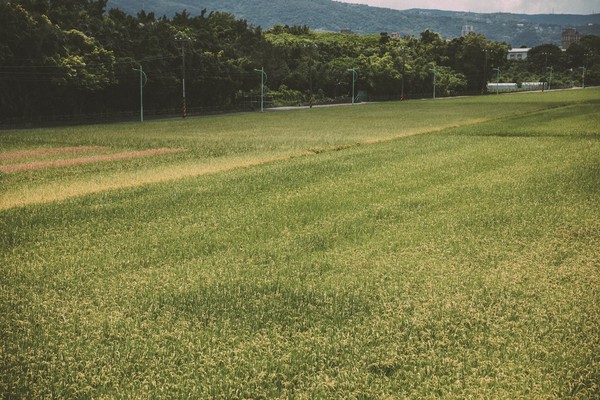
<point x="483" y="6"/>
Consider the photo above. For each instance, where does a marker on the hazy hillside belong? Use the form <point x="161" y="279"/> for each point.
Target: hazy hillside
<point x="328" y="15"/>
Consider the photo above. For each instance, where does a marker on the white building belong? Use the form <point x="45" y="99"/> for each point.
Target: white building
<point x="517" y="54"/>
<point x="466" y="29"/>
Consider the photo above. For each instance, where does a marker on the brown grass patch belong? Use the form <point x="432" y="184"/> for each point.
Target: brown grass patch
<point x="34" y="153"/>
<point x="34" y="165"/>
<point x="116" y="180"/>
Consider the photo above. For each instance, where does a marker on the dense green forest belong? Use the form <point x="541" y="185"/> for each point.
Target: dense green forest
<point x="74" y="59"/>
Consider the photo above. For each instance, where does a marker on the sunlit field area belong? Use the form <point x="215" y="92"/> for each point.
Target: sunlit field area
<point x="424" y="249"/>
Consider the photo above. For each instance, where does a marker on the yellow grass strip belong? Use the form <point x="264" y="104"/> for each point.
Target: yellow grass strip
<point x="33" y="165"/>
<point x="57" y="191"/>
<point x="43" y="152"/>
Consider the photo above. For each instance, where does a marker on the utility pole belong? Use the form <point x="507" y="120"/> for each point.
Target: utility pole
<point x="263" y="80"/>
<point x="497" y="79"/>
<point x="143" y="81"/>
<point x="183" y="40"/>
<point x="354" y="79"/>
<point x="309" y="45"/>
<point x="403" y="51"/>
<point x="583" y="78"/>
<point x="434" y="80"/>
<point x="486" y="51"/>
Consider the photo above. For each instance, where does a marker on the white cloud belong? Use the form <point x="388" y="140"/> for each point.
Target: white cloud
<point x="512" y="6"/>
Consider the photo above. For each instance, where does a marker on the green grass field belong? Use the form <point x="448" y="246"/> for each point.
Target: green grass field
<point x="424" y="249"/>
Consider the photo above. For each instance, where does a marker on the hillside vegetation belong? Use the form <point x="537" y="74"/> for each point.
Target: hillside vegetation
<point x="328" y="15"/>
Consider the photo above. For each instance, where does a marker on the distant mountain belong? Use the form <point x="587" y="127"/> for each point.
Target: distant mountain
<point x="327" y="15"/>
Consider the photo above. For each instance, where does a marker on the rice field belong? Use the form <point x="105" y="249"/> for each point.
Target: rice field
<point x="422" y="249"/>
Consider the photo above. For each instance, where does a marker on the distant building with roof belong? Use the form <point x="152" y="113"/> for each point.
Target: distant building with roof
<point x="517" y="54"/>
<point x="570" y="36"/>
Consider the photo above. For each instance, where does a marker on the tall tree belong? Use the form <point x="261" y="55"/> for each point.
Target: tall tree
<point x="475" y="57"/>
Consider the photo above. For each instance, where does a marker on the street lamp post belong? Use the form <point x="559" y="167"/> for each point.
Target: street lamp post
<point x="497" y="79"/>
<point x="354" y="79"/>
<point x="183" y="39"/>
<point x="309" y="45"/>
<point x="551" y="76"/>
<point x="546" y="60"/>
<point x="486" y="51"/>
<point x="403" y="51"/>
<point x="434" y="80"/>
<point x="263" y="80"/>
<point x="583" y="78"/>
<point x="143" y="81"/>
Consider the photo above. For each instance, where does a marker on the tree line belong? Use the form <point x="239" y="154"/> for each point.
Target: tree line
<point x="74" y="58"/>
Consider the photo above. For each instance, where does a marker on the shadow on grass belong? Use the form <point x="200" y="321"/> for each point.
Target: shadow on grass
<point x="571" y="121"/>
<point x="256" y="306"/>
